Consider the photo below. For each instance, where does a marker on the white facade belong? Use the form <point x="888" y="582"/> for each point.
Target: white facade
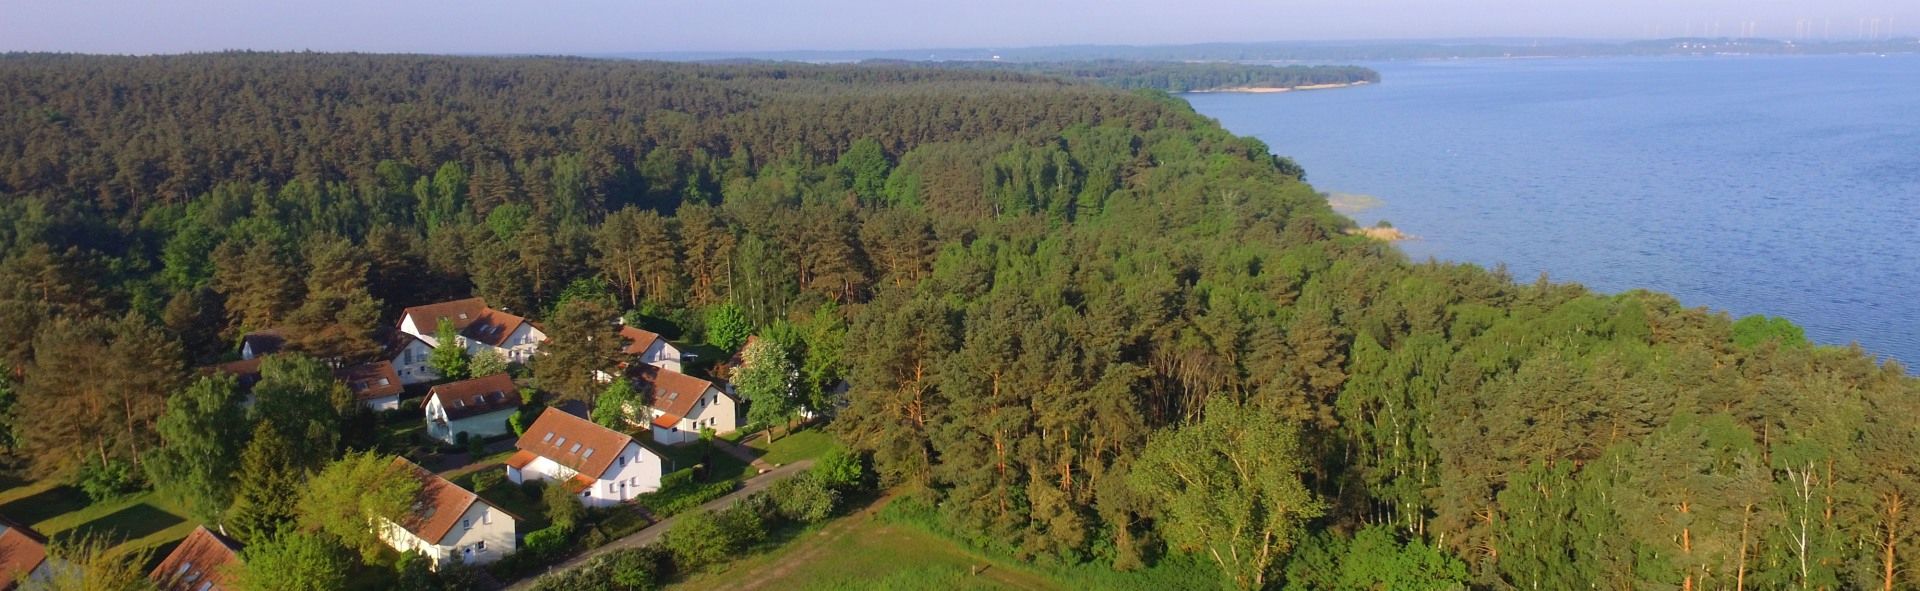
<point x="480" y="425"/>
<point x="484" y="534"/>
<point x="410" y="362"/>
<point x="636" y="471"/>
<point x="715" y="410"/>
<point x="662" y="354"/>
<point x="519" y="347"/>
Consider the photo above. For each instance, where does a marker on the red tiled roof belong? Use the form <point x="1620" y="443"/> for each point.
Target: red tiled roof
<point x="459" y="312"/>
<point x="492" y="327"/>
<point x="21" y="551"/>
<point x="520" y="459"/>
<point x="578" y="483"/>
<point x="438" y="506"/>
<point x="398" y="341"/>
<point x="672" y="392"/>
<point x="201" y="558"/>
<point x="573" y="442"/>
<point x="477" y="396"/>
<point x="372" y="380"/>
<point x="637" y="339"/>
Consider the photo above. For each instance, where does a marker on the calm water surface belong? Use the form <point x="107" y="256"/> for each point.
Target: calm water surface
<point x="1786" y="186"/>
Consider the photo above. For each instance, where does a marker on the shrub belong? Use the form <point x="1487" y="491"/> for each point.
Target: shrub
<point x="633" y="570"/>
<point x="562" y="508"/>
<point x="461" y="439"/>
<point x="476" y="447"/>
<point x="547" y="543"/>
<point x="668" y="503"/>
<point x="804" y="498"/>
<point x="697" y="540"/>
<point x="487" y="479"/>
<point x="840" y="471"/>
<point x="744" y="523"/>
<point x="675" y="480"/>
<point x="105" y="481"/>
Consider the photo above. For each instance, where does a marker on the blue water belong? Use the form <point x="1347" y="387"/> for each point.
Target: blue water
<point x="1786" y="186"/>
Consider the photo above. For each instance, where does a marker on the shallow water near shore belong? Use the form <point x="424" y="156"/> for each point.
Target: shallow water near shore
<point x="1786" y="186"/>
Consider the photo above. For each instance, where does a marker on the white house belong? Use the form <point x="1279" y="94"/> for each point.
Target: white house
<point x="23" y="556"/>
<point x="199" y="563"/>
<point x="376" y="385"/>
<point x="409" y="354"/>
<point x="606" y="467"/>
<point x="647" y="347"/>
<point x="478" y="407"/>
<point x="479" y="328"/>
<point x="449" y="523"/>
<point x="681" y="405"/>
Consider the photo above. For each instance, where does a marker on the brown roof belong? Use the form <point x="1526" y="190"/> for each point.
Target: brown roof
<point x="247" y="371"/>
<point x="398" y="341"/>
<point x="438" y="507"/>
<point x="520" y="459"/>
<point x="21" y="551"/>
<point x="573" y="442"/>
<point x="202" y="557"/>
<point x="477" y="396"/>
<point x="672" y="392"/>
<point x="637" y="340"/>
<point x="372" y="380"/>
<point x="471" y="317"/>
<point x="459" y="312"/>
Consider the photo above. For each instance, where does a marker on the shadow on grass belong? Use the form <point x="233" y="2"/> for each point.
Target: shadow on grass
<point x="130" y="523"/>
<point x="44" y="505"/>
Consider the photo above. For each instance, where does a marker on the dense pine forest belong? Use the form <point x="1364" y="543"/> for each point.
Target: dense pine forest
<point x="1083" y="324"/>
<point x="1170" y="76"/>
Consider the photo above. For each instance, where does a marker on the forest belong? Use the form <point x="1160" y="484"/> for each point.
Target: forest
<point x="1174" y="77"/>
<point x="1087" y="324"/>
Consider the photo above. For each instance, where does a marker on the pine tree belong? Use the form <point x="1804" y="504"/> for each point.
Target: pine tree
<point x="263" y="505"/>
<point x="338" y="320"/>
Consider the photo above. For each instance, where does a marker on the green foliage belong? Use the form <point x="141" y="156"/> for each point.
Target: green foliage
<point x="303" y="402"/>
<point x="615" y="407"/>
<point x="839" y="470"/>
<point x="487" y="362"/>
<point x="582" y="339"/>
<point x="547" y="542"/>
<point x="1751" y="331"/>
<point x="804" y="498"/>
<point x="262" y="504"/>
<point x="201" y="434"/>
<point x="727" y="327"/>
<point x="1229" y="486"/>
<point x="1373" y="559"/>
<point x="675" y="500"/>
<point x="292" y="561"/>
<point x="89" y="564"/>
<point x="766" y="380"/>
<point x="110" y="479"/>
<point x="354" y="496"/>
<point x="448" y="359"/>
<point x="562" y="505"/>
<point x="704" y="538"/>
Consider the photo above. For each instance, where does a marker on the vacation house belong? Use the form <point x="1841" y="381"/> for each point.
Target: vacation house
<point x="679" y="406"/>
<point x="199" y="563"/>
<point x="647" y="347"/>
<point x="23" y="556"/>
<point x="478" y="328"/>
<point x="604" y="466"/>
<point x="376" y="385"/>
<point x="448" y="523"/>
<point x="409" y="354"/>
<point x="478" y="407"/>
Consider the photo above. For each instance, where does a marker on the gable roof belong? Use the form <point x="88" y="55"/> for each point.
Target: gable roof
<point x="471" y="317"/>
<point x="460" y="312"/>
<point x="246" y="371"/>
<point x="21" y="551"/>
<point x="263" y="342"/>
<point x="477" y="396"/>
<point x="439" y="505"/>
<point x="201" y="558"/>
<point x="573" y="442"/>
<point x="372" y="380"/>
<point x="400" y="340"/>
<point x="638" y="340"/>
<point x="672" y="393"/>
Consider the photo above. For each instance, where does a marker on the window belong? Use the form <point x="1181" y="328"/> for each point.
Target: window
<point x="589" y="454"/>
<point x="549" y="437"/>
<point x="587" y="493"/>
<point x="480" y="546"/>
<point x="609" y="488"/>
<point x="575" y="449"/>
<point x="559" y="442"/>
<point x="623" y="461"/>
<point x="465" y="523"/>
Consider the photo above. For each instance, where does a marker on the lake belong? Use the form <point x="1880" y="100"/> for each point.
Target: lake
<point x="1786" y="186"/>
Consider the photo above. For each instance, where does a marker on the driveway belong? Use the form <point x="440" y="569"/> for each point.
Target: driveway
<point x="652" y="532"/>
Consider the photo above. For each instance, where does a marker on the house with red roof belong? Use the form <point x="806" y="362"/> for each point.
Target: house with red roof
<point x="647" y="347"/>
<point x="605" y="467"/>
<point x="199" y="563"/>
<point x="478" y="407"/>
<point x="23" y="556"/>
<point x="679" y="406"/>
<point x="448" y="523"/>
<point x="477" y="326"/>
<point x="375" y="385"/>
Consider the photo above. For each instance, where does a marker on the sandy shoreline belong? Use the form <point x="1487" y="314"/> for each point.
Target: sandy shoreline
<point x="1273" y="89"/>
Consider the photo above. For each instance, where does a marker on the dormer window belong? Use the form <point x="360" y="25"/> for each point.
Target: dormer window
<point x="559" y="442"/>
<point x="548" y="438"/>
<point x="589" y="454"/>
<point x="575" y="449"/>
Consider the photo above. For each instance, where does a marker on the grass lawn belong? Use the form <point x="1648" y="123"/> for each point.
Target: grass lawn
<point x="528" y="507"/>
<point x="141" y="522"/>
<point x="861" y="551"/>
<point x="720" y="465"/>
<point x="799" y="445"/>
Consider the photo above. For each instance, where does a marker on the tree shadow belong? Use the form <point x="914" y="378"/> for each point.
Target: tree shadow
<point x="131" y="523"/>
<point x="44" y="505"/>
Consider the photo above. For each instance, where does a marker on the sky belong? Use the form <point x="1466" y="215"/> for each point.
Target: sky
<point x="619" y="26"/>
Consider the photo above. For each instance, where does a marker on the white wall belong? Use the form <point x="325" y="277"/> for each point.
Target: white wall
<point x="484" y="425"/>
<point x="663" y="355"/>
<point x="619" y="484"/>
<point x="411" y="363"/>
<point x="487" y="530"/>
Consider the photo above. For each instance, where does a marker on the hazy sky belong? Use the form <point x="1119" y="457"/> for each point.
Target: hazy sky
<point x="604" y="26"/>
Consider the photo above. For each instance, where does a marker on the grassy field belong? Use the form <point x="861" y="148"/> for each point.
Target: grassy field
<point x="807" y="443"/>
<point x="862" y="551"/>
<point x="141" y="522"/>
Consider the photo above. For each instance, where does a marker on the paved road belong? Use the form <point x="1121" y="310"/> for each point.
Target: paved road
<point x="652" y="532"/>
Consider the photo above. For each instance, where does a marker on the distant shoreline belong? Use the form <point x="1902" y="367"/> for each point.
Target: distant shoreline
<point x="1274" y="89"/>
